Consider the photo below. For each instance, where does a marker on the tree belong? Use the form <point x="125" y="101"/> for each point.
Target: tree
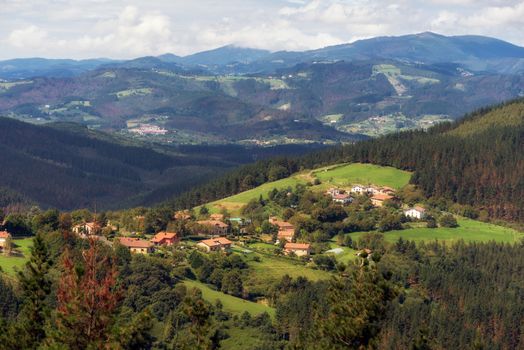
<point x="357" y="304"/>
<point x="29" y="332"/>
<point x="87" y="298"/>
<point x="448" y="220"/>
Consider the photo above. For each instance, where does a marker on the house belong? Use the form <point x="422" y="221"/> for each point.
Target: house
<point x="373" y="190"/>
<point x="165" y="238"/>
<point x="4" y="236"/>
<point x="415" y="213"/>
<point x="334" y="191"/>
<point x="286" y="234"/>
<point x="136" y="245"/>
<point x="87" y="229"/>
<point x="218" y="228"/>
<point x="216" y="217"/>
<point x="342" y="198"/>
<point x="379" y="199"/>
<point x="358" y="189"/>
<point x="286" y="231"/>
<point x="283" y="225"/>
<point x="215" y="244"/>
<point x="300" y="249"/>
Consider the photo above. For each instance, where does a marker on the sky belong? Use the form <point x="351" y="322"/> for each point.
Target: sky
<point x="127" y="29"/>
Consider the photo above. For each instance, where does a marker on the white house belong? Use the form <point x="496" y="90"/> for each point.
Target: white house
<point x="415" y="213"/>
<point x="359" y="189"/>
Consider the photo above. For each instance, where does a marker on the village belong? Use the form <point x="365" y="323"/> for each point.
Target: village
<point x="220" y="232"/>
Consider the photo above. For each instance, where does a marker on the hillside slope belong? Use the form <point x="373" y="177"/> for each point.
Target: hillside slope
<point x="68" y="166"/>
<point x="477" y="161"/>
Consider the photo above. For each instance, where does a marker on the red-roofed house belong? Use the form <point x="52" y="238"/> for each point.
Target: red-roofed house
<point x="300" y="249"/>
<point x="4" y="236"/>
<point x="378" y="199"/>
<point x="215" y="244"/>
<point x="166" y="238"/>
<point x="286" y="234"/>
<point x="136" y="245"/>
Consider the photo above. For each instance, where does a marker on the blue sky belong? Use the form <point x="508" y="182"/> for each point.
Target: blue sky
<point x="126" y="29"/>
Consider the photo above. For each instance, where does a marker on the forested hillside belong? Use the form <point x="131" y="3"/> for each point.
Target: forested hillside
<point x="67" y="166"/>
<point x="478" y="161"/>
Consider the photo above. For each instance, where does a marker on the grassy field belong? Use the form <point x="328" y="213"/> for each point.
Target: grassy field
<point x="364" y="174"/>
<point x="10" y="264"/>
<point x="347" y="255"/>
<point x="234" y="203"/>
<point x="272" y="267"/>
<point x="341" y="175"/>
<point x="230" y="303"/>
<point x="468" y="230"/>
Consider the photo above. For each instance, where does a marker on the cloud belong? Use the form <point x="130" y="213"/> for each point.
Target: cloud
<point x="29" y="37"/>
<point x="131" y="28"/>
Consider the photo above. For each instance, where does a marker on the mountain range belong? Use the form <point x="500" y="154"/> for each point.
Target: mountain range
<point x="240" y="95"/>
<point x="477" y="53"/>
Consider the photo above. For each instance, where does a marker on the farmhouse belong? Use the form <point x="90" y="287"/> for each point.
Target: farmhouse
<point x="166" y="238"/>
<point x="87" y="229"/>
<point x="218" y="227"/>
<point x="358" y="189"/>
<point x="415" y="213"/>
<point x="342" y="198"/>
<point x="286" y="234"/>
<point x="379" y="199"/>
<point x="282" y="225"/>
<point x="136" y="245"/>
<point x="4" y="236"/>
<point x="215" y="244"/>
<point x="300" y="249"/>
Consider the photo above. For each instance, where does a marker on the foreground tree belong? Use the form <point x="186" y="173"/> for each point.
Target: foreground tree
<point x="87" y="298"/>
<point x="29" y="330"/>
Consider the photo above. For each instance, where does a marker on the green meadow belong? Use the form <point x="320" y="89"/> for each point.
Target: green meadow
<point x="15" y="262"/>
<point x="468" y="230"/>
<point x="364" y="174"/>
<point x="340" y="175"/>
<point x="232" y="304"/>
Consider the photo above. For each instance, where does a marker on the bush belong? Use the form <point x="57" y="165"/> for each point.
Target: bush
<point x="448" y="220"/>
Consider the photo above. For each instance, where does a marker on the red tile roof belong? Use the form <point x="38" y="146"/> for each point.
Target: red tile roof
<point x="381" y="196"/>
<point x="135" y="242"/>
<point x="214" y="223"/>
<point x="213" y="242"/>
<point x="160" y="236"/>
<point x="4" y="234"/>
<point x="297" y="246"/>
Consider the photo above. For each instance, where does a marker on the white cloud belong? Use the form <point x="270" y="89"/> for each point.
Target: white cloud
<point x="131" y="28"/>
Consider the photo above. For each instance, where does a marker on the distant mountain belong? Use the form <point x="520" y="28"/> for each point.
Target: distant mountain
<point x="224" y="56"/>
<point x="477" y="53"/>
<point x="23" y="68"/>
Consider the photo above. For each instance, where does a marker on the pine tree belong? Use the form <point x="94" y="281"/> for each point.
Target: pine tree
<point x="30" y="331"/>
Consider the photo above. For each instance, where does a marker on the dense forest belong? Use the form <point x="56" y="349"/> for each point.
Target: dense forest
<point x="478" y="161"/>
